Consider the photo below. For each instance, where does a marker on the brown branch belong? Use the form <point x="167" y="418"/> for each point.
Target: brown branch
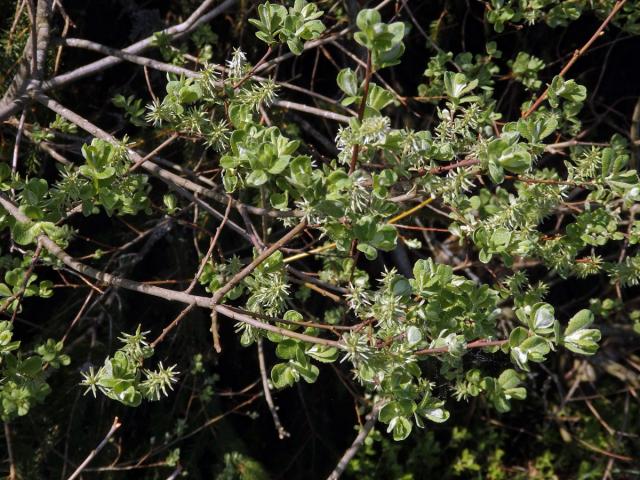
<point x="301" y="107"/>
<point x="198" y="17"/>
<point x="114" y="427"/>
<point x="32" y="65"/>
<point x="445" y="168"/>
<point x="25" y="281"/>
<point x="348" y="455"/>
<point x="12" y="101"/>
<point x="172" y="325"/>
<point x="8" y="301"/>
<point x="238" y="277"/>
<point x="171" y="179"/>
<point x="282" y="433"/>
<point x="12" y="464"/>
<point x="474" y="344"/>
<point x="129" y="57"/>
<point x="212" y="245"/>
<point x="361" y="109"/>
<point x="577" y="54"/>
<point x="254" y="69"/>
<point x="153" y="152"/>
<point x="165" y="293"/>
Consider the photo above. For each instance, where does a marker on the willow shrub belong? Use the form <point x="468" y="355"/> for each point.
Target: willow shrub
<point x="507" y="201"/>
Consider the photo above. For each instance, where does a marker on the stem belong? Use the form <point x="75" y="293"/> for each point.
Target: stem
<point x="114" y="427"/>
<point x="238" y="277"/>
<point x="356" y="445"/>
<point x="577" y="54"/>
<point x="475" y="344"/>
<point x="363" y="104"/>
<point x="445" y="168"/>
<point x="253" y="70"/>
<point x="12" y="465"/>
<point x="282" y="433"/>
<point x="165" y="293"/>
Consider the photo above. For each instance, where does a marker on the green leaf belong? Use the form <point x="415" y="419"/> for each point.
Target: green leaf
<point x="401" y="428"/>
<point x="515" y="159"/>
<point x="367" y="19"/>
<point x="582" y="319"/>
<point x="348" y="81"/>
<point x="31" y="367"/>
<point x="436" y="414"/>
<point x="370" y="252"/>
<point x="542" y="318"/>
<point x="414" y="335"/>
<point x="257" y="178"/>
<point x="282" y="375"/>
<point x="580" y="339"/>
<point x="323" y="353"/>
<point x="279" y="165"/>
<point x="308" y="372"/>
<point x="286" y="349"/>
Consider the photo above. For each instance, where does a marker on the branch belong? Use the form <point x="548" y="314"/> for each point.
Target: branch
<point x="577" y="54"/>
<point x="238" y="277"/>
<point x="168" y="177"/>
<point x="363" y="105"/>
<point x="114" y="427"/>
<point x="12" y="464"/>
<point x="197" y="18"/>
<point x="12" y="101"/>
<point x="155" y="291"/>
<point x="356" y="445"/>
<point x="129" y="57"/>
<point x="282" y="433"/>
<point x="253" y="70"/>
<point x="167" y="67"/>
<point x="311" y="110"/>
<point x="475" y="344"/>
<point x="32" y="66"/>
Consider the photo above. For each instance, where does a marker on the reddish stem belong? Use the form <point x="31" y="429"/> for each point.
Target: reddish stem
<point x="577" y="54"/>
<point x="363" y="104"/>
<point x="475" y="344"/>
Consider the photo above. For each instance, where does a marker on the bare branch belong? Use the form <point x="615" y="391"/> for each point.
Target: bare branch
<point x="31" y="69"/>
<point x="282" y="433"/>
<point x="372" y="418"/>
<point x="114" y="427"/>
<point x="197" y="18"/>
<point x="155" y="291"/>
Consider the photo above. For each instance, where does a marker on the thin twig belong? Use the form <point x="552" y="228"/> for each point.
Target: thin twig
<point x="197" y="18"/>
<point x="114" y="427"/>
<point x="164" y="293"/>
<point x="577" y="54"/>
<point x="16" y="147"/>
<point x="254" y="69"/>
<point x="363" y="104"/>
<point x="282" y="433"/>
<point x="153" y="152"/>
<point x="238" y="277"/>
<point x="129" y="57"/>
<point x="475" y="344"/>
<point x="348" y="455"/>
<point x="172" y="325"/>
<point x="212" y="245"/>
<point x="12" y="464"/>
<point x="23" y="287"/>
<point x="78" y="315"/>
<point x="174" y="181"/>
